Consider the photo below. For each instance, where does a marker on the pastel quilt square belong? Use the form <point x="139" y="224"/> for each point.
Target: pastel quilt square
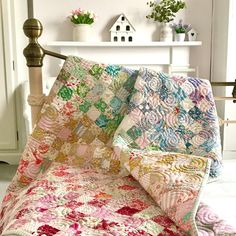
<point x="93" y="113"/>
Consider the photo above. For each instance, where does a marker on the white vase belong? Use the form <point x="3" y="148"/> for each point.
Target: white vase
<point x="180" y="37"/>
<point x="82" y="32"/>
<point x="166" y="33"/>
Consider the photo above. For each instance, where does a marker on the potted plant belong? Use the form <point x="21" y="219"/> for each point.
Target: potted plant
<point x="164" y="12"/>
<point x="180" y="30"/>
<point x="82" y="21"/>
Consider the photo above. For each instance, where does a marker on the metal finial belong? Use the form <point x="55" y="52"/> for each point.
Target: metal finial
<point x="33" y="53"/>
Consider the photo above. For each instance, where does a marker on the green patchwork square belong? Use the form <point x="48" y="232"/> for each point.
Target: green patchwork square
<point x="82" y="90"/>
<point x="129" y="84"/>
<point x="96" y="71"/>
<point x="113" y="124"/>
<point x="115" y="103"/>
<point x="101" y="105"/>
<point x="85" y="106"/>
<point x="134" y="132"/>
<point x="65" y="93"/>
<point x="64" y="75"/>
<point x="79" y="72"/>
<point x="102" y="121"/>
<point x="117" y="83"/>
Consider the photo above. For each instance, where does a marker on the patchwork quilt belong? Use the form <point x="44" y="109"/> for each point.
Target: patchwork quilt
<point x="175" y="114"/>
<point x="76" y="178"/>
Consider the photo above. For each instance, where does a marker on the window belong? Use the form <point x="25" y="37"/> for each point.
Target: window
<point x="117" y="28"/>
<point x="115" y="39"/>
<point x="123" y="39"/>
<point x="122" y="18"/>
<point x="130" y="38"/>
<point x="127" y="28"/>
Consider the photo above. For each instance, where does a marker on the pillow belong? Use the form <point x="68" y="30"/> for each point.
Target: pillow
<point x="173" y="114"/>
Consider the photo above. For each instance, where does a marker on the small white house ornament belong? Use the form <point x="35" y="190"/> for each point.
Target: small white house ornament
<point x="122" y="30"/>
<point x="192" y="35"/>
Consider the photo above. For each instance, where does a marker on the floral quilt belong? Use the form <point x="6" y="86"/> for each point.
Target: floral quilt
<point x="72" y="180"/>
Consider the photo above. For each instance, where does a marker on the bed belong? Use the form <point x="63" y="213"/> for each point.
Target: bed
<point x="115" y="151"/>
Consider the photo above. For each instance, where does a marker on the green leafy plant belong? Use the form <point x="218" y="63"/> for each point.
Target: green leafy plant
<point x="165" y="10"/>
<point x="181" y="27"/>
<point x="80" y="16"/>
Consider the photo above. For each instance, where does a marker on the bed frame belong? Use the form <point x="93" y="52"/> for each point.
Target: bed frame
<point x="34" y="55"/>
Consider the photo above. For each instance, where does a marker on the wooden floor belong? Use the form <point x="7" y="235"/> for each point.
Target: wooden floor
<point x="220" y="195"/>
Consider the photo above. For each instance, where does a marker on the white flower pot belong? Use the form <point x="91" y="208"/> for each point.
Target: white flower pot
<point x="180" y="37"/>
<point x="166" y="33"/>
<point x="82" y="32"/>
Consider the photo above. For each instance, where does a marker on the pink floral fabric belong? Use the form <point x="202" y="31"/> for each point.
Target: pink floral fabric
<point x="76" y="201"/>
<point x="71" y="201"/>
<point x="175" y="181"/>
<point x="169" y="178"/>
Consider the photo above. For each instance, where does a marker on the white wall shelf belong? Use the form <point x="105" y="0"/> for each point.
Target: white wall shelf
<point x="115" y="44"/>
<point x="156" y="55"/>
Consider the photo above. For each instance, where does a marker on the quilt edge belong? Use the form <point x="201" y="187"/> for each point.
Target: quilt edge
<point x="197" y="202"/>
<point x="15" y="233"/>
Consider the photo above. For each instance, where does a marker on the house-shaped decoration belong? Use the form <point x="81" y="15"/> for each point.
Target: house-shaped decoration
<point x="122" y="30"/>
<point x="192" y="35"/>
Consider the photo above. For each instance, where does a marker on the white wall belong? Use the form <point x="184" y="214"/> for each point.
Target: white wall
<point x="199" y="14"/>
<point x="220" y="50"/>
<point x="13" y="17"/>
<point x="223" y="66"/>
<point x="21" y="72"/>
<point x="53" y="15"/>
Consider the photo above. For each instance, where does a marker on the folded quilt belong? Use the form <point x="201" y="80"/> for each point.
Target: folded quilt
<point x="175" y="182"/>
<point x="75" y="179"/>
<point x="175" y="114"/>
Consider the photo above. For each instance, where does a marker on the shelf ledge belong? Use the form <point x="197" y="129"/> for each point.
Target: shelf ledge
<point x="114" y="44"/>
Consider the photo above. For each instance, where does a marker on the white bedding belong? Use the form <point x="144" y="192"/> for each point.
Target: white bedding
<point x="221" y="195"/>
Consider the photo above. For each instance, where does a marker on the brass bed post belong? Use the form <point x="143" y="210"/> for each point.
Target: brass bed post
<point x="34" y="55"/>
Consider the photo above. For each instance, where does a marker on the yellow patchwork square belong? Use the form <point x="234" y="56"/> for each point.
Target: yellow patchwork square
<point x="88" y="137"/>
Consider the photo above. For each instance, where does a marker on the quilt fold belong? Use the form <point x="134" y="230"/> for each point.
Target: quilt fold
<point x="174" y="181"/>
<point x="80" y="175"/>
<point x="173" y="114"/>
